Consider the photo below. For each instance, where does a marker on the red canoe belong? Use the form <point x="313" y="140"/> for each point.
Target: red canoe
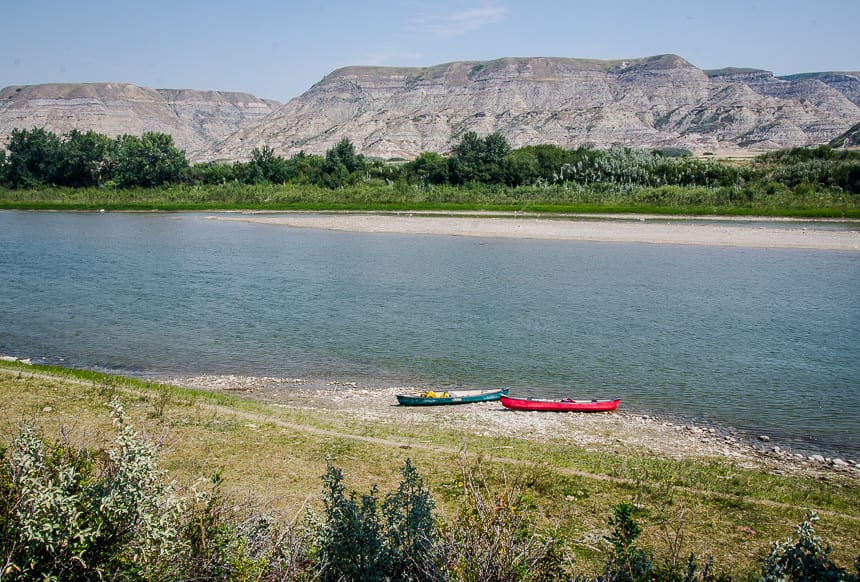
<point x="564" y="405"/>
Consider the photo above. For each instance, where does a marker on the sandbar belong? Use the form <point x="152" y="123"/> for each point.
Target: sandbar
<point x="708" y="231"/>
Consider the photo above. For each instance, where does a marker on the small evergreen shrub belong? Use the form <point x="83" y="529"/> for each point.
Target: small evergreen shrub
<point x="627" y="562"/>
<point x="363" y="538"/>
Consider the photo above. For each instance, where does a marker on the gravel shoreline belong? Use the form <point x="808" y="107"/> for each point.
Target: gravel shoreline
<point x="605" y="432"/>
<point x="596" y="431"/>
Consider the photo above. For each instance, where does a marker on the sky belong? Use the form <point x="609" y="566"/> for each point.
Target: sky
<point x="277" y="49"/>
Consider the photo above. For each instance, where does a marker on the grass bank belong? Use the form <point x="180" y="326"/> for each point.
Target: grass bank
<point x="666" y="200"/>
<point x="276" y="450"/>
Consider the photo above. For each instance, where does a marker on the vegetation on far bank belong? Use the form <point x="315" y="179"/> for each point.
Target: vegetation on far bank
<point x="91" y="171"/>
<point x="254" y="491"/>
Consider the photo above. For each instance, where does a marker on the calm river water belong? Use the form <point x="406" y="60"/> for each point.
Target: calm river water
<point x="759" y="340"/>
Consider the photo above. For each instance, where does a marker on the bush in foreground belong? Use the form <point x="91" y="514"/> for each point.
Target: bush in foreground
<point x="72" y="514"/>
<point x="493" y="536"/>
<point x="807" y="558"/>
<point x="75" y="514"/>
<point x="368" y="539"/>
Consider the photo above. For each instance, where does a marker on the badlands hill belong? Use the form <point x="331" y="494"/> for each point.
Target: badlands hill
<point x="660" y="101"/>
<point x="195" y="119"/>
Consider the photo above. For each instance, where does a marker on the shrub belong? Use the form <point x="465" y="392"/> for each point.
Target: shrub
<point x="359" y="538"/>
<point x="804" y="559"/>
<point x="229" y="539"/>
<point x="627" y="562"/>
<point x="71" y="514"/>
<point x="75" y="514"/>
<point x="411" y="528"/>
<point x="493" y="537"/>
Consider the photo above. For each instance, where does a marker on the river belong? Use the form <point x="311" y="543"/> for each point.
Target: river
<point x="761" y="341"/>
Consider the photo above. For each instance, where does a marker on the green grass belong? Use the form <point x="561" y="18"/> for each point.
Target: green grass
<point x="382" y="197"/>
<point x="278" y="454"/>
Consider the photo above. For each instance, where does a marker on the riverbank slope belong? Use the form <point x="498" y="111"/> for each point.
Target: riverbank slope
<point x="271" y="438"/>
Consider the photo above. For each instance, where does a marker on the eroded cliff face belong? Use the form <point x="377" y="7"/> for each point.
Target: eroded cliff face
<point x="849" y="139"/>
<point x="651" y="102"/>
<point x="195" y="119"/>
<point x="391" y="112"/>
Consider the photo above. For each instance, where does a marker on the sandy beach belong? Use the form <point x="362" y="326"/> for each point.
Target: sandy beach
<point x="710" y="231"/>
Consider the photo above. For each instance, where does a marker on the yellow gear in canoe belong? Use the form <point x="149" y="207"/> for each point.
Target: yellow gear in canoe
<point x="431" y="394"/>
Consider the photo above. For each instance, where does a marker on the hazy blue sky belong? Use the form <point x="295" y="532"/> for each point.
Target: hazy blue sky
<point x="277" y="49"/>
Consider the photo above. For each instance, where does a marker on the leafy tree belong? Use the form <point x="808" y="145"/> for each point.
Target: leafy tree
<point x="344" y="154"/>
<point x="522" y="168"/>
<point x="265" y="166"/>
<point x="429" y="168"/>
<point x="84" y="159"/>
<point x="496" y="147"/>
<point x="305" y="169"/>
<point x="212" y="173"/>
<point x="390" y="172"/>
<point x="148" y="161"/>
<point x="551" y="159"/>
<point x="475" y="159"/>
<point x="342" y="165"/>
<point x="465" y="163"/>
<point x="848" y="177"/>
<point x="33" y="158"/>
<point x="821" y="168"/>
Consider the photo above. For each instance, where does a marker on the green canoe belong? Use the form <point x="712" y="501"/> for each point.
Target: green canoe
<point x="459" y="397"/>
